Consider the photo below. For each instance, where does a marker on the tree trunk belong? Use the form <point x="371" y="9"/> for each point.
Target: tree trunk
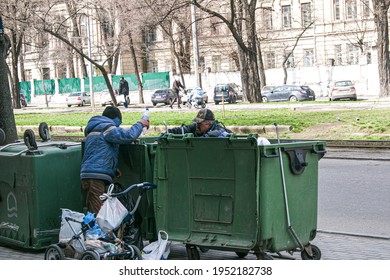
<point x="137" y="74"/>
<point x="382" y="25"/>
<point x="7" y="119"/>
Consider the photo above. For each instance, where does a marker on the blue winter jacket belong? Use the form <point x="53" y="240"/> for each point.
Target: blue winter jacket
<point x="101" y="149"/>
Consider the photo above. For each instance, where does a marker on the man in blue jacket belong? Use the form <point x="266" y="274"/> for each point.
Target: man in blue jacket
<point x="101" y="153"/>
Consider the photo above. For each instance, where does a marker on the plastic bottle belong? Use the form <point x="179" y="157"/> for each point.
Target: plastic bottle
<point x="145" y="116"/>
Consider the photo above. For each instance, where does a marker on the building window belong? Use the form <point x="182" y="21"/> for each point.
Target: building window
<point x="369" y="58"/>
<point x="202" y="64"/>
<point x="351" y="9"/>
<point x="151" y="35"/>
<point x="46" y="73"/>
<point x="290" y="63"/>
<point x="308" y="58"/>
<point x="366" y="8"/>
<point x="336" y="9"/>
<point x="216" y="63"/>
<point x="286" y="11"/>
<point x="154" y="66"/>
<point x="353" y="55"/>
<point x="338" y="55"/>
<point x="269" y="60"/>
<point x="267" y="18"/>
<point x="27" y="75"/>
<point x="306" y="13"/>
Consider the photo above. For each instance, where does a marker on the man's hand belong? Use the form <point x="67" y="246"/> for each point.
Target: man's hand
<point x="145" y="123"/>
<point x="118" y="174"/>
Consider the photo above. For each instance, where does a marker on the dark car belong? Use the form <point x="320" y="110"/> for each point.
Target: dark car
<point x="229" y="93"/>
<point x="162" y="96"/>
<point x="23" y="100"/>
<point x="291" y="93"/>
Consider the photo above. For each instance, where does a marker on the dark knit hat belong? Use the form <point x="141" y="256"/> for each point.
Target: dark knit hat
<point x="204" y="115"/>
<point x="112" y="112"/>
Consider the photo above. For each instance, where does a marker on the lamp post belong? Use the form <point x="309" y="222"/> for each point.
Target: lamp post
<point x="90" y="65"/>
<point x="195" y="47"/>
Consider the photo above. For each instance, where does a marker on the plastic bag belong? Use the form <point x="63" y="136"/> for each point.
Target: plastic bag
<point x="66" y="232"/>
<point x="112" y="213"/>
<point x="157" y="250"/>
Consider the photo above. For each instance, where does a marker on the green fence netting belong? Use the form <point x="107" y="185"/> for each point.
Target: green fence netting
<point x="68" y="85"/>
<point x="130" y="78"/>
<point x="155" y="80"/>
<point x="48" y="84"/>
<point x="25" y="88"/>
<point x="99" y="84"/>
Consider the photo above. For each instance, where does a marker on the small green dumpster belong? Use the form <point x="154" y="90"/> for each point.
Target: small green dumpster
<point x="228" y="193"/>
<point x="34" y="186"/>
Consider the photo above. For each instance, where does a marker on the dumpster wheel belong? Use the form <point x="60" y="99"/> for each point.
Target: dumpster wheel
<point x="54" y="252"/>
<point x="241" y="255"/>
<point x="44" y="131"/>
<point x="29" y="139"/>
<point x="263" y="256"/>
<point x="192" y="252"/>
<point x="315" y="253"/>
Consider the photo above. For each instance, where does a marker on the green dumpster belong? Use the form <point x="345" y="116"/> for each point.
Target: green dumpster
<point x="34" y="186"/>
<point x="136" y="163"/>
<point x="228" y="193"/>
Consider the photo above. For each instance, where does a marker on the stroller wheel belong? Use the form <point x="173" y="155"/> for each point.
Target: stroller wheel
<point x="90" y="255"/>
<point x="54" y="252"/>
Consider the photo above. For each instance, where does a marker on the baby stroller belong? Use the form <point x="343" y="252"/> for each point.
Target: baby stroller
<point x="104" y="246"/>
<point x="196" y="98"/>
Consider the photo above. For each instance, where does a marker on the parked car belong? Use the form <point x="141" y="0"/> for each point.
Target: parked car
<point x="78" y="98"/>
<point x="342" y="90"/>
<point x="23" y="100"/>
<point x="189" y="92"/>
<point x="290" y="93"/>
<point x="162" y="96"/>
<point x="105" y="98"/>
<point x="267" y="89"/>
<point x="230" y="92"/>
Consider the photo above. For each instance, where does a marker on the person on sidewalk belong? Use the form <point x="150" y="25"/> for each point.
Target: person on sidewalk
<point x="124" y="89"/>
<point x="101" y="153"/>
<point x="176" y="90"/>
<point x="204" y="125"/>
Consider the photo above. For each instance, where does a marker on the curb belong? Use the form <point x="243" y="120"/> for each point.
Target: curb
<point x="160" y="129"/>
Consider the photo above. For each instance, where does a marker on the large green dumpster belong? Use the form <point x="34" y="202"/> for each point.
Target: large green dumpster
<point x="228" y="193"/>
<point x="34" y="186"/>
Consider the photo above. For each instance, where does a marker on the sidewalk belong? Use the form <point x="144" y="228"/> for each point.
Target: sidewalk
<point x="332" y="246"/>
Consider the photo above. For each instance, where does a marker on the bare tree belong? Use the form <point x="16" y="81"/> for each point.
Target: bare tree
<point x="380" y="10"/>
<point x="241" y="21"/>
<point x="7" y="119"/>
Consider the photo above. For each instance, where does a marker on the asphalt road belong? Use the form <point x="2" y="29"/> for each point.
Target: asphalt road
<point x="354" y="196"/>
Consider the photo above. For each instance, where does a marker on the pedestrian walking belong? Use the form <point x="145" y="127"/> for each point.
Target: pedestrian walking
<point x="124" y="89"/>
<point x="176" y="90"/>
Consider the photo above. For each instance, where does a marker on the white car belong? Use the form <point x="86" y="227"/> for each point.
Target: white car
<point x="184" y="98"/>
<point x="105" y="98"/>
<point x="78" y="98"/>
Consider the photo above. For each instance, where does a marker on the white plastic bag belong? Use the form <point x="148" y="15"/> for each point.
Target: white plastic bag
<point x="157" y="250"/>
<point x="66" y="232"/>
<point x="112" y="213"/>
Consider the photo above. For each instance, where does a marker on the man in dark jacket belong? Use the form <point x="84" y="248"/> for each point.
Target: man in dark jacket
<point x="176" y="90"/>
<point x="124" y="89"/>
<point x="101" y="152"/>
<point x="204" y="125"/>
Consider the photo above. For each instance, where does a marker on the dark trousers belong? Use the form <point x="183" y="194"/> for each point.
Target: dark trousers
<point x="178" y="98"/>
<point x="93" y="188"/>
